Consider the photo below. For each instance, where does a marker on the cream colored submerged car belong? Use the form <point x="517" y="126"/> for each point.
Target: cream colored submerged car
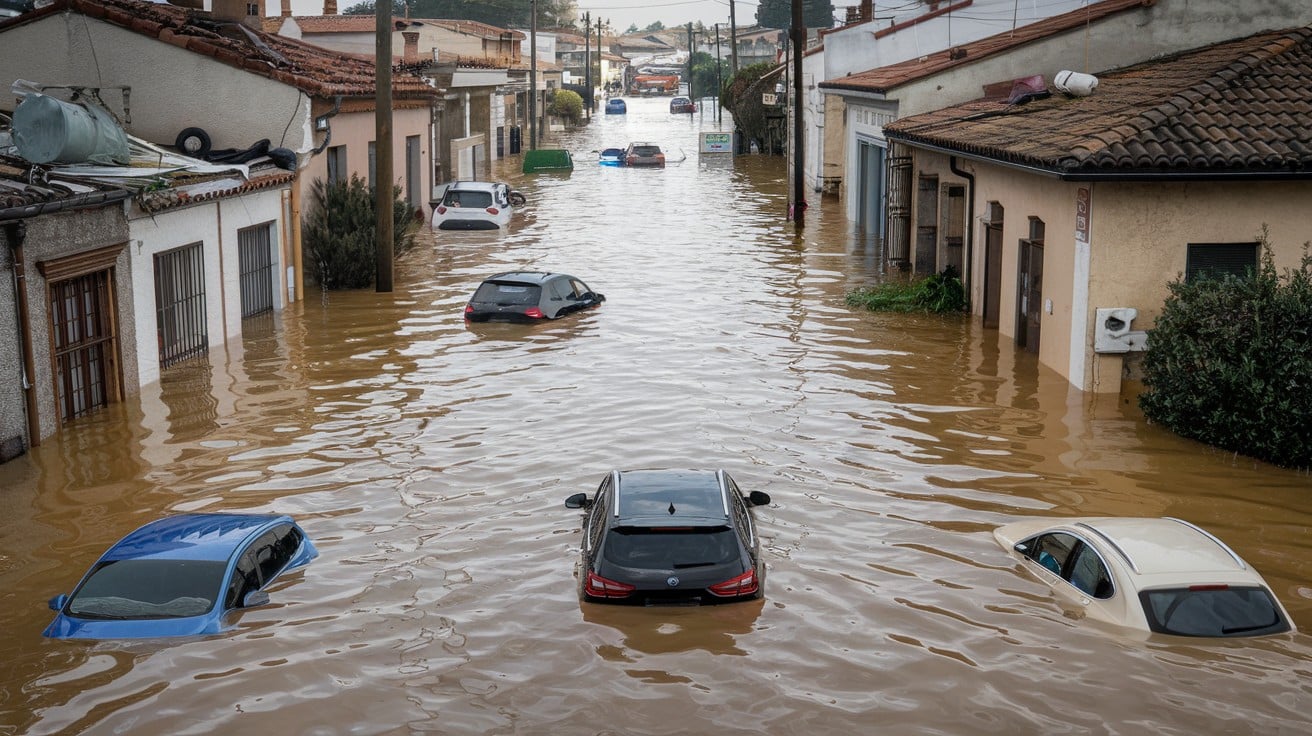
<point x="1162" y="575"/>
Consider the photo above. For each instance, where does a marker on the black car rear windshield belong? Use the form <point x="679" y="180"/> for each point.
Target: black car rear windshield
<point x="646" y="150"/>
<point x="507" y="294"/>
<point x="456" y="198"/>
<point x="137" y="589"/>
<point x="1213" y="611"/>
<point x="670" y="548"/>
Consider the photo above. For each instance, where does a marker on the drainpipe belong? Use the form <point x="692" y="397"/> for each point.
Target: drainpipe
<point x="16" y="233"/>
<point x="968" y="270"/>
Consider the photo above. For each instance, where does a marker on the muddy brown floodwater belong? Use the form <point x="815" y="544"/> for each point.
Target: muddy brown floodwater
<point x="429" y="460"/>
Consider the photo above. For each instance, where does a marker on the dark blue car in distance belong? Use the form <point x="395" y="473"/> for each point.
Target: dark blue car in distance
<point x="669" y="537"/>
<point x="181" y="576"/>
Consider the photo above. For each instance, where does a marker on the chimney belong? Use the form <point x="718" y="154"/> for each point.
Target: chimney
<point x="411" y="53"/>
<point x="246" y="12"/>
<point x="286" y="8"/>
<point x="330" y="7"/>
<point x="867" y="11"/>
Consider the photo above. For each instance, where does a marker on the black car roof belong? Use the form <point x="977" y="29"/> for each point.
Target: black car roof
<point x="524" y="277"/>
<point x="665" y="495"/>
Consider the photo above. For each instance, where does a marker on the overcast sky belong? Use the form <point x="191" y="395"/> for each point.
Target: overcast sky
<point x="618" y="13"/>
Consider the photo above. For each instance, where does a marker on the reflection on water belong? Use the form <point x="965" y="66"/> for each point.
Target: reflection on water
<point x="429" y="461"/>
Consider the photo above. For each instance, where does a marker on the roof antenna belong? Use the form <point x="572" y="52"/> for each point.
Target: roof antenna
<point x="671" y="508"/>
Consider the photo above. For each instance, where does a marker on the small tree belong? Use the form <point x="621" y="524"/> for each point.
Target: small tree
<point x="1229" y="362"/>
<point x="742" y="98"/>
<point x="339" y="233"/>
<point x="566" y="105"/>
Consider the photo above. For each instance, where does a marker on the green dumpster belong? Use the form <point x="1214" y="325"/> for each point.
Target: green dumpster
<point x="547" y="159"/>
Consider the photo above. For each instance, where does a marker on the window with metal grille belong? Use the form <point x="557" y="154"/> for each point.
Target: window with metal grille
<point x="255" y="254"/>
<point x="180" y="304"/>
<point x="336" y="164"/>
<point x="1217" y="260"/>
<point x="83" y="341"/>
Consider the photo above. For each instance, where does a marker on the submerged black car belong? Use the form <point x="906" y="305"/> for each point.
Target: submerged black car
<point x="672" y="537"/>
<point x="528" y="296"/>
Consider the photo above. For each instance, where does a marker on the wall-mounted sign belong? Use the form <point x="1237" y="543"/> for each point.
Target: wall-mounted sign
<point x="769" y="99"/>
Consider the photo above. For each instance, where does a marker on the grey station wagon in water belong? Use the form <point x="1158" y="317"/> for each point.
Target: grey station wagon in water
<point x="529" y="296"/>
<point x="669" y="537"/>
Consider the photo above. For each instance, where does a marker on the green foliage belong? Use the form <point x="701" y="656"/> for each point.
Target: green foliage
<point x="1229" y="362"/>
<point x="742" y="98"/>
<point x="705" y="81"/>
<point x="633" y="28"/>
<point x="779" y="13"/>
<point x="567" y="105"/>
<point x="339" y="233"/>
<point x="941" y="293"/>
<point x="653" y="27"/>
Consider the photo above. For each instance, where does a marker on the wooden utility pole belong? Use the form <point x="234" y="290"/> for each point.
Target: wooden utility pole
<point x="533" y="78"/>
<point x="587" y="61"/>
<point x="733" y="41"/>
<point x="719" y="80"/>
<point x="690" y="50"/>
<point x="799" y="175"/>
<point x="383" y="200"/>
<point x="600" y="80"/>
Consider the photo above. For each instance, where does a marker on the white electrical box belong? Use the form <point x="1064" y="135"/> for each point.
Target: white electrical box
<point x="1112" y="333"/>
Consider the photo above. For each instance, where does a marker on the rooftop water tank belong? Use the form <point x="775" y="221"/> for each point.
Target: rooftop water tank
<point x="47" y="130"/>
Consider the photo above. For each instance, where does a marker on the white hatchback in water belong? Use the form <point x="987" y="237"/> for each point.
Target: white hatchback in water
<point x="1162" y="575"/>
<point x="474" y="205"/>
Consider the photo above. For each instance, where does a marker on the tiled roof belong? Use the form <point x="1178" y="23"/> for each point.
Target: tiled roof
<point x="22" y="197"/>
<point x="886" y="78"/>
<point x="1241" y="106"/>
<point x="369" y="24"/>
<point x="189" y="190"/>
<point x="472" y="28"/>
<point x="309" y="68"/>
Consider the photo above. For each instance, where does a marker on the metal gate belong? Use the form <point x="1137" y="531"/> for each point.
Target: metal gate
<point x="79" y="320"/>
<point x="898" y="231"/>
<point x="255" y="256"/>
<point x="180" y="304"/>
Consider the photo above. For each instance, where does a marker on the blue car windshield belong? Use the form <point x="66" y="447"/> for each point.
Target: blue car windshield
<point x="148" y="589"/>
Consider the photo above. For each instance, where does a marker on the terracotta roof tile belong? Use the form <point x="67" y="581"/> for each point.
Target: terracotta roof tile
<point x="886" y="78"/>
<point x="1243" y="105"/>
<point x="313" y="70"/>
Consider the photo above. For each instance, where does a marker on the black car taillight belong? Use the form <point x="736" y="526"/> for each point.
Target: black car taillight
<point x="599" y="587"/>
<point x="744" y="584"/>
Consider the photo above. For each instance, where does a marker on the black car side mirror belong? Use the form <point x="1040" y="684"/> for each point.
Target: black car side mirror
<point x="758" y="498"/>
<point x="578" y="501"/>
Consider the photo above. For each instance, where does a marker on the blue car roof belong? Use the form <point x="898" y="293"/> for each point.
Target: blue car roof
<point x="191" y="536"/>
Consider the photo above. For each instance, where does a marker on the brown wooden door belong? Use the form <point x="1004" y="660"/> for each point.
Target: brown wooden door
<point x="1029" y="307"/>
<point x="992" y="273"/>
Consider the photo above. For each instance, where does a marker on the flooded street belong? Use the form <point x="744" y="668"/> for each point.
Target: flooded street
<point x="429" y="459"/>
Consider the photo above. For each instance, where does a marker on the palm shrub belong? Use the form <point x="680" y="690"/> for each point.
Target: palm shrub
<point x="1229" y="362"/>
<point x="339" y="234"/>
<point x="941" y="293"/>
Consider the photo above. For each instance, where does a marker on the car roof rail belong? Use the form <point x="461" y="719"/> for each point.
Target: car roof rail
<point x="724" y="491"/>
<point x="615" y="481"/>
<point x="1209" y="535"/>
<point x="1110" y="543"/>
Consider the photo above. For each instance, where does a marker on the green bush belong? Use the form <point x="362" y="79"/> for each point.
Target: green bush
<point x="567" y="105"/>
<point x="1229" y="362"/>
<point x="338" y="234"/>
<point x="941" y="293"/>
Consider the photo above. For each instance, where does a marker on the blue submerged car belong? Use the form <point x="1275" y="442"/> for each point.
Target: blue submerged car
<point x="616" y="106"/>
<point x="181" y="576"/>
<point x="611" y="157"/>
